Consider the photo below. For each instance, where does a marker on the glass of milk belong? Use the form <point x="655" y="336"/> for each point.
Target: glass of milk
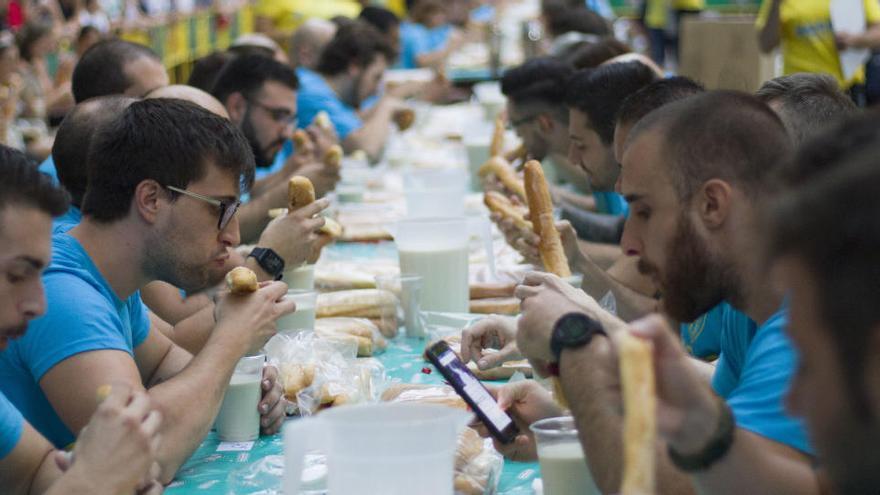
<point x="564" y="469"/>
<point x="239" y="418"/>
<point x="303" y="318"/>
<point x="300" y="278"/>
<point x="436" y="249"/>
<point x="408" y="289"/>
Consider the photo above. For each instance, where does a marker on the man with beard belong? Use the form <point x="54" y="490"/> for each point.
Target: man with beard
<point x="348" y="72"/>
<point x="259" y="94"/>
<point x="693" y="198"/>
<point x="164" y="180"/>
<point x="116" y="454"/>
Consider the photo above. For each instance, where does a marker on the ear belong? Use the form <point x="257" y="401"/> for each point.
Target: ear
<point x="236" y="105"/>
<point x="147" y="198"/>
<point x="714" y="203"/>
<point x="354" y="71"/>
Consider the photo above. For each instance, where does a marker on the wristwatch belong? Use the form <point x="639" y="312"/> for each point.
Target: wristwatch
<point x="716" y="447"/>
<point x="573" y="330"/>
<point x="269" y="261"/>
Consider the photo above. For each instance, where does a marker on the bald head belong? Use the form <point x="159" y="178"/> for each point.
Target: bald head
<point x="309" y="41"/>
<point x="192" y="95"/>
<point x="71" y="148"/>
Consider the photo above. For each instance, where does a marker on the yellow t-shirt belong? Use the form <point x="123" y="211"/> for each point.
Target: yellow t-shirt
<point x="689" y="4"/>
<point x="655" y="13"/>
<point x="808" y="39"/>
<point x="287" y="15"/>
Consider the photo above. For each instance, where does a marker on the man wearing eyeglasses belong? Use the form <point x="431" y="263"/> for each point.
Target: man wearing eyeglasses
<point x="161" y="202"/>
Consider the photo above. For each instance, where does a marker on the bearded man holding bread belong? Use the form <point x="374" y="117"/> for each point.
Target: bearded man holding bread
<point x="164" y="182"/>
<point x="693" y="219"/>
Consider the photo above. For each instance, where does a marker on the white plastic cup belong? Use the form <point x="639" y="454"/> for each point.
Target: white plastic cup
<point x="437" y="250"/>
<point x="303" y="318"/>
<point x="408" y="289"/>
<point x="239" y="418"/>
<point x="564" y="469"/>
<point x="302" y="278"/>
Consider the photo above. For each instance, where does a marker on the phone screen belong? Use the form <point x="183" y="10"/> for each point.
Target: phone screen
<point x="473" y="392"/>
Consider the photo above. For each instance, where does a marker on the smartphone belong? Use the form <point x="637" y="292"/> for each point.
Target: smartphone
<point x="469" y="387"/>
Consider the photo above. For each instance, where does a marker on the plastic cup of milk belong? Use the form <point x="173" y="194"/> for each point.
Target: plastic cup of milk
<point x="239" y="418"/>
<point x="300" y="278"/>
<point x="437" y="250"/>
<point x="564" y="469"/>
<point x="303" y="318"/>
<point x="408" y="289"/>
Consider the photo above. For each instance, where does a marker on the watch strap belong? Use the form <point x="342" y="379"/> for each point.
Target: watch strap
<point x="558" y="343"/>
<point x="716" y="448"/>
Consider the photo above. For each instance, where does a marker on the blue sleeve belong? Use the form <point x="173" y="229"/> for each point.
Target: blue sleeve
<point x="140" y="320"/>
<point x="11" y="426"/>
<point x="414" y="41"/>
<point x="610" y="203"/>
<point x="758" y="399"/>
<point x="48" y="168"/>
<point x="344" y="119"/>
<point x="71" y="325"/>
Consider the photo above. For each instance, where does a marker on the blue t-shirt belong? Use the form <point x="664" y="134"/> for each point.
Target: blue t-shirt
<point x="314" y="95"/>
<point x="483" y="13"/>
<point x="11" y="426"/>
<point x="753" y="376"/>
<point x="417" y="39"/>
<point x="702" y="338"/>
<point x="610" y="203"/>
<point x="48" y="168"/>
<point x="71" y="218"/>
<point x="83" y="314"/>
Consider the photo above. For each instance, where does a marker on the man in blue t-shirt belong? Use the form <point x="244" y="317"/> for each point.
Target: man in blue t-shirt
<point x="348" y="72"/>
<point x="168" y="214"/>
<point x="115" y="455"/>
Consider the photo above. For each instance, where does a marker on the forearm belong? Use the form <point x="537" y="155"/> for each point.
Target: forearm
<point x="592" y="226"/>
<point x="372" y="135"/>
<point x="193" y="333"/>
<point x="768" y="38"/>
<point x="598" y="283"/>
<point x="600" y="426"/>
<point x="576" y="200"/>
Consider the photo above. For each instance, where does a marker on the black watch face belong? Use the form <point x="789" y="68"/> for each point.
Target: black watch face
<point x="573" y="329"/>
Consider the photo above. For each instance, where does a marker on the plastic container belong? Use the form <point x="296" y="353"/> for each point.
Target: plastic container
<point x="302" y="278"/>
<point x="435" y="192"/>
<point x="239" y="418"/>
<point x="304" y="316"/>
<point x="408" y="289"/>
<point x="437" y="250"/>
<point x="392" y="449"/>
<point x="564" y="469"/>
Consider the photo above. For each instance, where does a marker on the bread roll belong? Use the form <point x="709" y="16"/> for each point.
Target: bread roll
<point x="363" y="303"/>
<point x="242" y="280"/>
<point x="322" y="120"/>
<point x="296" y="377"/>
<point x="498" y="203"/>
<point x="404" y="118"/>
<point x="300" y="139"/>
<point x="333" y="156"/>
<point x="541" y="213"/>
<point x="300" y="192"/>
<point x="502" y="170"/>
<point x="487" y="290"/>
<point x="331" y="227"/>
<point x="496" y="146"/>
<point x="495" y="305"/>
<point x="640" y="414"/>
<point x="360" y="331"/>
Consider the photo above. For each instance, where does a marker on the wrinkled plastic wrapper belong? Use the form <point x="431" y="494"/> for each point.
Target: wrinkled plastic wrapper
<point x="318" y="373"/>
<point x="264" y="476"/>
<point x="609" y="303"/>
<point x="360" y="331"/>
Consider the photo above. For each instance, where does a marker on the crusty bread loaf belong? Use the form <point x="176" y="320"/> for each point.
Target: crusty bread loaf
<point x="362" y="303"/>
<point x="242" y="280"/>
<point x="495" y="305"/>
<point x="500" y="168"/>
<point x="480" y="290"/>
<point x="404" y="118"/>
<point x="496" y="146"/>
<point x="640" y="414"/>
<point x="541" y="214"/>
<point x="300" y="192"/>
<point x="333" y="156"/>
<point x="498" y="203"/>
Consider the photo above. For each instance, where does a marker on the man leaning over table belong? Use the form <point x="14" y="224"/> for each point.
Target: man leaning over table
<point x="693" y="222"/>
<point x="167" y="213"/>
<point x="115" y="454"/>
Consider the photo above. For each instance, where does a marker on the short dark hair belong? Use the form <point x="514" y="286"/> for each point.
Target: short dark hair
<point x="358" y="44"/>
<point x="246" y="74"/>
<point x="70" y="151"/>
<point x="28" y="36"/>
<point x="577" y="19"/>
<point x="381" y="19"/>
<point x="719" y="134"/>
<point x="86" y="31"/>
<point x="599" y="92"/>
<point x="539" y="80"/>
<point x="101" y="70"/>
<point x="587" y="55"/>
<point x="205" y="70"/>
<point x="829" y="222"/>
<point x="809" y="103"/>
<point x="166" y="140"/>
<point x="22" y="184"/>
<point x="654" y="96"/>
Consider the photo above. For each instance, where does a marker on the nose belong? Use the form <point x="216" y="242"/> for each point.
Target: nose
<point x="629" y="241"/>
<point x="33" y="305"/>
<point x="231" y="234"/>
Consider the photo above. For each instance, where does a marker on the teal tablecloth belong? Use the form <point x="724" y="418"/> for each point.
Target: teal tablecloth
<point x="258" y="471"/>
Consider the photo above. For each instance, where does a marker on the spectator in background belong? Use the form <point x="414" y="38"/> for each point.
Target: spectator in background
<point x="385" y="22"/>
<point x="588" y="55"/>
<point x="87" y="38"/>
<point x="566" y="25"/>
<point x="803" y="29"/>
<point x="10" y="86"/>
<point x="205" y="70"/>
<point x="280" y="18"/>
<point x="93" y="15"/>
<point x="427" y="39"/>
<point x="259" y="44"/>
<point x="309" y="40"/>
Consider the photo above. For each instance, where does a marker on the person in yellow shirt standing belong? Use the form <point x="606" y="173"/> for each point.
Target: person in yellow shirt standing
<point x="662" y="32"/>
<point x="803" y="29"/>
<point x="280" y="18"/>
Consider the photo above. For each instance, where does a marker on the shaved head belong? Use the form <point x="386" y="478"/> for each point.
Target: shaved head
<point x="192" y="95"/>
<point x="309" y="41"/>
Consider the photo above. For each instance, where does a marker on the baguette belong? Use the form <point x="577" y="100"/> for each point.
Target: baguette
<point x="502" y="170"/>
<point x="640" y="416"/>
<point x="486" y="290"/>
<point x="241" y="280"/>
<point x="363" y="303"/>
<point x="495" y="305"/>
<point x="360" y="331"/>
<point x="496" y="146"/>
<point x="498" y="203"/>
<point x="333" y="156"/>
<point x="541" y="213"/>
<point x="520" y="153"/>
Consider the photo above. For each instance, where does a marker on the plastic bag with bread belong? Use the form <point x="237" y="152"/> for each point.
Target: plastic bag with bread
<point x="361" y="331"/>
<point x="379" y="306"/>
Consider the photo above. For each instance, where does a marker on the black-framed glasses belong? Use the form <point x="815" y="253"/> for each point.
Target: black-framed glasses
<point x="282" y="115"/>
<point x="228" y="207"/>
<point x="513" y="124"/>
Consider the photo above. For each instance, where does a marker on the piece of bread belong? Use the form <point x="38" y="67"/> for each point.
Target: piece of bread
<point x="404" y="118"/>
<point x="520" y="153"/>
<point x="541" y="213"/>
<point x="496" y="146"/>
<point x="331" y="227"/>
<point x="495" y="305"/>
<point x="481" y="290"/>
<point x="300" y="139"/>
<point x="500" y="168"/>
<point x="498" y="203"/>
<point x="300" y="192"/>
<point x="640" y="414"/>
<point x="242" y="280"/>
<point x="360" y="331"/>
<point x="333" y="157"/>
<point x="363" y="303"/>
<point x="424" y="394"/>
<point x="296" y="377"/>
<point x="322" y="120"/>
